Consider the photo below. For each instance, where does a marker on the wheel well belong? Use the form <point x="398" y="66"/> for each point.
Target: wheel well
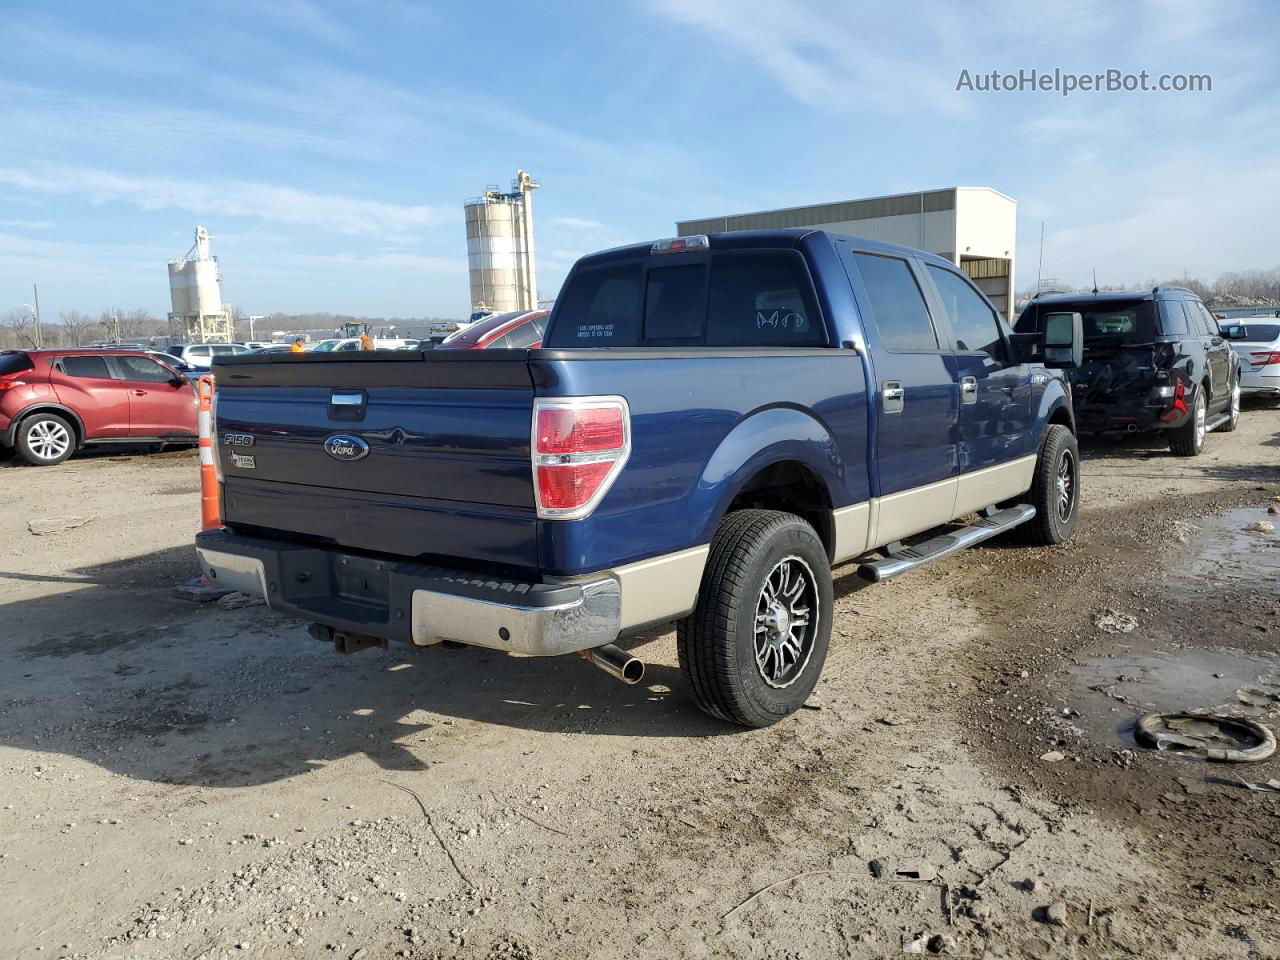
<point x="77" y="427"/>
<point x="1061" y="416"/>
<point x="792" y="487"/>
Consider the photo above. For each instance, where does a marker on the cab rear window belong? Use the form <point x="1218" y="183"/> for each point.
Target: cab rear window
<point x="736" y="299"/>
<point x="1104" y="321"/>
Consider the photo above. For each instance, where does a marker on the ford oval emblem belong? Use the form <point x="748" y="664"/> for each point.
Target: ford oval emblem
<point x="346" y="446"/>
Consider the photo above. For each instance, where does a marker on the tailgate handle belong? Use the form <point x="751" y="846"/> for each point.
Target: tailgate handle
<point x="347" y="404"/>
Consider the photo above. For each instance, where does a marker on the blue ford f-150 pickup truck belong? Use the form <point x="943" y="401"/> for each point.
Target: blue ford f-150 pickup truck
<point x="710" y="425"/>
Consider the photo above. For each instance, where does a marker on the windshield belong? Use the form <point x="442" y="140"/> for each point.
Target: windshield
<point x="324" y="346"/>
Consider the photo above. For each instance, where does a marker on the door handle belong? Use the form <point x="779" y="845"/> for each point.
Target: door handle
<point x="892" y="396"/>
<point x="969" y="389"/>
<point x="138" y="393"/>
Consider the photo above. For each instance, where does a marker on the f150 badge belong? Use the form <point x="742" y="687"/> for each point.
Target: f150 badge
<point x="346" y="446"/>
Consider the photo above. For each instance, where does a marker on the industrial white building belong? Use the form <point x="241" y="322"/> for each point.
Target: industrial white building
<point x="973" y="227"/>
<point x="500" y="248"/>
<point x="195" y="290"/>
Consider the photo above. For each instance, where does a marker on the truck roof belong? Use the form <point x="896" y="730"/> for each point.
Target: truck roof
<point x="781" y="237"/>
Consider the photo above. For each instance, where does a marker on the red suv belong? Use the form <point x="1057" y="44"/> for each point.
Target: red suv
<point x="52" y="402"/>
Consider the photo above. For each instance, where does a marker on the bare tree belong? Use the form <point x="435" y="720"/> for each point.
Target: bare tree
<point x="20" y="329"/>
<point x="77" y="327"/>
<point x="137" y="323"/>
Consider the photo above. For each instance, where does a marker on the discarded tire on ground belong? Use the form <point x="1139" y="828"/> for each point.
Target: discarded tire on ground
<point x="1199" y="731"/>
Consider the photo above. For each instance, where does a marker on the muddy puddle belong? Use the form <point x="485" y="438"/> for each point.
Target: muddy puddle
<point x="1108" y="694"/>
<point x="1225" y="550"/>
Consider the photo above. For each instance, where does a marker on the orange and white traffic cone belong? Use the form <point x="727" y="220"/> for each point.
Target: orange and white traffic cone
<point x="210" y="509"/>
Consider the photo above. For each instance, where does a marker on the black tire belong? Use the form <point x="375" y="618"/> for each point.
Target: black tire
<point x="6" y="453"/>
<point x="717" y="642"/>
<point x="1188" y="439"/>
<point x="1057" y="503"/>
<point x="1233" y="406"/>
<point x="44" y="439"/>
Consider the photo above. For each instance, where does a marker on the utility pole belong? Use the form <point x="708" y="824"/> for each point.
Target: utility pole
<point x="39" y="332"/>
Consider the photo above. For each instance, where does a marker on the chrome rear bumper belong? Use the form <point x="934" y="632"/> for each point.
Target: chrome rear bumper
<point x="415" y="603"/>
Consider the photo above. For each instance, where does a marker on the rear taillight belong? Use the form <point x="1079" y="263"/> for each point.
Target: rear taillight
<point x="1178" y="406"/>
<point x="579" y="448"/>
<point x="11" y="384"/>
<point x="1264" y="358"/>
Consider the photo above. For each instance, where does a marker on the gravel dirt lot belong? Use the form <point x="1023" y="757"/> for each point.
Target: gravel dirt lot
<point x="181" y="781"/>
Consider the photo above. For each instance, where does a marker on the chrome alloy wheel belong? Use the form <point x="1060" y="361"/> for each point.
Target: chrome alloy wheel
<point x="786" y="622"/>
<point x="1199" y="414"/>
<point x="48" y="440"/>
<point x="1066" y="486"/>
<point x="1235" y="405"/>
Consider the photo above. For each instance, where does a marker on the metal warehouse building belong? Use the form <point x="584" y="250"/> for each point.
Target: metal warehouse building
<point x="973" y="227"/>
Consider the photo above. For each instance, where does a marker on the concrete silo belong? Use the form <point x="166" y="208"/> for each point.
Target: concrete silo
<point x="500" y="248"/>
<point x="195" y="290"/>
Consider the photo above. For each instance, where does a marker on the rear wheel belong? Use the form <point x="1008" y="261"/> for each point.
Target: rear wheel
<point x="1188" y="439"/>
<point x="1055" y="490"/>
<point x="45" y="439"/>
<point x="755" y="645"/>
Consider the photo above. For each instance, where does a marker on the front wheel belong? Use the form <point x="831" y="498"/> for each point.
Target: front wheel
<point x="756" y="642"/>
<point x="1055" y="489"/>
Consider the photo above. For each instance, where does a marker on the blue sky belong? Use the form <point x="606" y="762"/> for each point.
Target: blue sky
<point x="328" y="146"/>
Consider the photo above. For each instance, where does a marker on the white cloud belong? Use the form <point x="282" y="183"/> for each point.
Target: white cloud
<point x="26" y="224"/>
<point x="235" y="198"/>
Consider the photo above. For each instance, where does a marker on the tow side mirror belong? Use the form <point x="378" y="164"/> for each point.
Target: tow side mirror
<point x="1063" y="340"/>
<point x="1235" y="331"/>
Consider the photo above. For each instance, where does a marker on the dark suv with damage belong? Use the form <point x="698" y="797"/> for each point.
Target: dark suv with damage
<point x="1154" y="362"/>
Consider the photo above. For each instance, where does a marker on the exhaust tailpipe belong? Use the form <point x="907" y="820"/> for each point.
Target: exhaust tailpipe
<point x="616" y="662"/>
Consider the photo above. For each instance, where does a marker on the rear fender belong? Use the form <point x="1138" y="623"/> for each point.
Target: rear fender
<point x="766" y="437"/>
<point x="43" y="406"/>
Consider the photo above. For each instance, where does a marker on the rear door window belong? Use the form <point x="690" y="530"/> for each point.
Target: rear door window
<point x="763" y="300"/>
<point x="523" y="335"/>
<point x="897" y="305"/>
<point x="1210" y="321"/>
<point x="86" y="367"/>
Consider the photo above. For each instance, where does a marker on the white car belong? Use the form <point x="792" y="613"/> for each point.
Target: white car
<point x="201" y="354"/>
<point x="1256" y="341"/>
<point x="353" y="343"/>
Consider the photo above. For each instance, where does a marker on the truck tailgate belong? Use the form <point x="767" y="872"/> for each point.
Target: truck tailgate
<point x="437" y="463"/>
